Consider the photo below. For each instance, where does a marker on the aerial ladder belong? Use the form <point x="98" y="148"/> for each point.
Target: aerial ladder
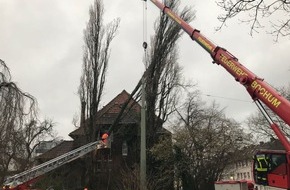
<point x="23" y="180"/>
<point x="277" y="177"/>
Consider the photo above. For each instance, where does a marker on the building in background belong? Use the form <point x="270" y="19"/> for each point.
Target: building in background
<point x="113" y="165"/>
<point x="44" y="146"/>
<point x="241" y="169"/>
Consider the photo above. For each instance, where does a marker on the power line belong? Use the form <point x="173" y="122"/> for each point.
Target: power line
<point x="226" y="98"/>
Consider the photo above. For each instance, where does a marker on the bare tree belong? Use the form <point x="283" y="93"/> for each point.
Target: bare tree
<point x="205" y="141"/>
<point x="97" y="38"/>
<point x="131" y="179"/>
<point x="164" y="158"/>
<point x="30" y="136"/>
<point x="163" y="74"/>
<point x="20" y="130"/>
<point x="277" y="13"/>
<point x="15" y="107"/>
<point x="163" y="78"/>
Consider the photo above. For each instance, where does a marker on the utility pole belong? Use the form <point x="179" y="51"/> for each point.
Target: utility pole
<point x="143" y="182"/>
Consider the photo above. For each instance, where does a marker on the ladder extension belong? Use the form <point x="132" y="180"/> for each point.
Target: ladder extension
<point x="52" y="164"/>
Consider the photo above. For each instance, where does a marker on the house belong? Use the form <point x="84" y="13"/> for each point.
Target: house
<point x="240" y="168"/>
<point x="111" y="164"/>
<point x="44" y="146"/>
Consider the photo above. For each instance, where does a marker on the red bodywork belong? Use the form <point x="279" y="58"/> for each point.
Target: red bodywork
<point x="256" y="87"/>
<point x="279" y="176"/>
<point x="26" y="185"/>
<point x="250" y="185"/>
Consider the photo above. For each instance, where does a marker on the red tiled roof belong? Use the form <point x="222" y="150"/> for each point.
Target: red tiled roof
<point x="109" y="112"/>
<point x="114" y="106"/>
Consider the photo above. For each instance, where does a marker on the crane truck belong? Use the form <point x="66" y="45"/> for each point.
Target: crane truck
<point x="271" y="169"/>
<point x="23" y="180"/>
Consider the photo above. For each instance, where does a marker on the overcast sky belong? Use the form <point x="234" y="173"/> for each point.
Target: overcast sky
<point x="41" y="42"/>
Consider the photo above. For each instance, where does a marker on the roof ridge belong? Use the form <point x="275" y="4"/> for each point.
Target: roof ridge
<point x="109" y="105"/>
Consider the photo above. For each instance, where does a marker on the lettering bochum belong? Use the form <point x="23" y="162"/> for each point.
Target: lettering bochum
<point x="266" y="94"/>
<point x="254" y="85"/>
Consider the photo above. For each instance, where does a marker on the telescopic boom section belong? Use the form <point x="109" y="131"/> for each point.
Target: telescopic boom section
<point x="256" y="87"/>
<point x="21" y="180"/>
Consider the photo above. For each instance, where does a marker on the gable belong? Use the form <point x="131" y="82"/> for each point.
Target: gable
<point x="109" y="113"/>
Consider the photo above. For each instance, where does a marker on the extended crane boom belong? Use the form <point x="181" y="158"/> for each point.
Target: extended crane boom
<point x="270" y="168"/>
<point x="258" y="89"/>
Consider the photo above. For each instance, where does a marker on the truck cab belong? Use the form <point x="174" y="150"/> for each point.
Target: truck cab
<point x="271" y="168"/>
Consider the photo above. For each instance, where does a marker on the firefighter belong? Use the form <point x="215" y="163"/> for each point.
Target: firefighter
<point x="262" y="169"/>
<point x="105" y="139"/>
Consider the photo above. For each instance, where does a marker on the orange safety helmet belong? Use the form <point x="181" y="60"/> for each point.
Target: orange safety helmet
<point x="105" y="139"/>
<point x="105" y="136"/>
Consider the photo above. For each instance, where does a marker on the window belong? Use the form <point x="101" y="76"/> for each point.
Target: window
<point x="278" y="163"/>
<point x="124" y="149"/>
